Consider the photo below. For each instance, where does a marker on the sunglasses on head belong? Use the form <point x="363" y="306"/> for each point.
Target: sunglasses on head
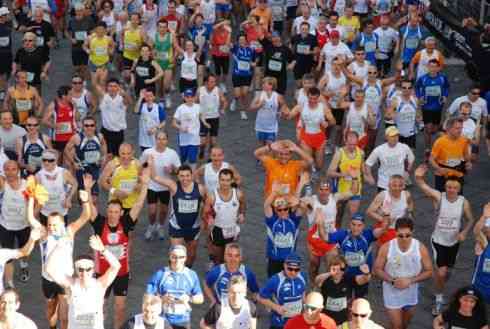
<point x="358" y="315"/>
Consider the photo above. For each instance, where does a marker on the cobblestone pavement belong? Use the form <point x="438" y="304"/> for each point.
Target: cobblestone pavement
<point x="238" y="139"/>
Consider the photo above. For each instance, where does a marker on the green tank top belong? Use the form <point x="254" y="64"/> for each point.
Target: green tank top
<point x="164" y="50"/>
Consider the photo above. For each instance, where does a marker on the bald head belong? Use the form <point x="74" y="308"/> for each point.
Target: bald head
<point x="314" y="299"/>
<point x="361" y="306"/>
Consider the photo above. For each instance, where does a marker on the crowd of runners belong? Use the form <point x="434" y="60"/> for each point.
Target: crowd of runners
<point x="368" y="79"/>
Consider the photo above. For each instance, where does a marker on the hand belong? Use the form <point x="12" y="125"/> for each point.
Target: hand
<point x="399" y="66"/>
<point x="279" y="309"/>
<point x="184" y="299"/>
<point x="88" y="182"/>
<point x="35" y="234"/>
<point x="353" y="172"/>
<point x="118" y="194"/>
<point x="142" y="93"/>
<point x="83" y="195"/>
<point x="96" y="243"/>
<point x="461" y="236"/>
<point x="30" y="168"/>
<point x="468" y="165"/>
<point x="152" y="131"/>
<point x="442" y="171"/>
<point x="364" y="269"/>
<point x="148" y="81"/>
<point x="145" y="176"/>
<point x="67" y="203"/>
<point x="402" y="283"/>
<point x="167" y="299"/>
<point x="44" y="76"/>
<point x="241" y="219"/>
<point x="421" y="170"/>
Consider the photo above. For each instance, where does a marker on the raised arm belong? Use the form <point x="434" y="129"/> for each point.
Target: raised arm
<point x="85" y="199"/>
<point x="168" y="182"/>
<point x="140" y="202"/>
<point x="426" y="189"/>
<point x="108" y="277"/>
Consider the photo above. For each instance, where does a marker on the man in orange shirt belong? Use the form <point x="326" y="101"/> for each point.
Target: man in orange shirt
<point x="265" y="13"/>
<point x="312" y="316"/>
<point x="450" y="156"/>
<point x="281" y="168"/>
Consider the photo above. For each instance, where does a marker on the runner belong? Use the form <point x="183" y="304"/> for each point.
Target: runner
<point x="150" y="317"/>
<point x="220" y="50"/>
<point x="213" y="104"/>
<point x="31" y="146"/>
<point x="199" y="34"/>
<point x="5" y="51"/>
<point x="228" y="206"/>
<point x="449" y="230"/>
<point x="360" y="118"/>
<point x="277" y="59"/>
<point x="361" y="312"/>
<point x="388" y="44"/>
<point x="133" y="38"/>
<point x="85" y="294"/>
<point x="219" y="276"/>
<point x="145" y="71"/>
<point x="304" y="46"/>
<point x="99" y="47"/>
<point x="187" y="197"/>
<point x="114" y="231"/>
<point x="402" y="264"/>
<point x="422" y="58"/>
<point x="79" y="27"/>
<point x="9" y="133"/>
<point x="481" y="274"/>
<point x="284" y="292"/>
<point x="23" y="100"/>
<point x="235" y="311"/>
<point x="82" y="100"/>
<point x="312" y="316"/>
<point x="152" y="117"/>
<point x="178" y="286"/>
<point x="9" y="317"/>
<point x="166" y="163"/>
<point x="244" y="62"/>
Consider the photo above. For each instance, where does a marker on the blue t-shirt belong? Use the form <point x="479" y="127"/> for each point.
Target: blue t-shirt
<point x="411" y="40"/>
<point x="481" y="276"/>
<point x="287" y="292"/>
<point x="432" y="89"/>
<point x="242" y="59"/>
<point x="177" y="284"/>
<point x="218" y="277"/>
<point x="282" y="235"/>
<point x="197" y="32"/>
<point x="370" y="44"/>
<point x="356" y="250"/>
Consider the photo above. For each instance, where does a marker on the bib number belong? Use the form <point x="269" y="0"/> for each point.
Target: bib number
<point x="243" y="66"/>
<point x="4" y="41"/>
<point x="293" y="308"/>
<point x="230" y="232"/>
<point x="275" y="65"/>
<point x="336" y="304"/>
<point x="85" y="321"/>
<point x="354" y="259"/>
<point x="187" y="206"/>
<point x="63" y="128"/>
<point x="80" y="35"/>
<point x="128" y="185"/>
<point x="23" y="105"/>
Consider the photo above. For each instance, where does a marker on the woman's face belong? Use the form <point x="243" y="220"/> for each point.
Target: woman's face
<point x="467" y="303"/>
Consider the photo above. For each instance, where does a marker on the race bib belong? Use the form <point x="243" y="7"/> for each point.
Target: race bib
<point x="230" y="232"/>
<point x="370" y="46"/>
<point x="406" y="117"/>
<point x="282" y="240"/>
<point x="293" y="308"/>
<point x="142" y="71"/>
<point x="336" y="304"/>
<point x="30" y="76"/>
<point x="303" y="49"/>
<point x="447" y="224"/>
<point x="243" y="66"/>
<point x="412" y="43"/>
<point x="80" y="35"/>
<point x="100" y="51"/>
<point x="63" y="128"/>
<point x="256" y="45"/>
<point x="84" y="321"/>
<point x="224" y="49"/>
<point x="162" y="55"/>
<point x="274" y="65"/>
<point x="188" y="206"/>
<point x="117" y="250"/>
<point x="128" y="185"/>
<point x="187" y="69"/>
<point x="128" y="45"/>
<point x="40" y="41"/>
<point x="433" y="91"/>
<point x="92" y="156"/>
<point x="453" y="162"/>
<point x="172" y="25"/>
<point x="486" y="265"/>
<point x="23" y="105"/>
<point x="4" y="41"/>
<point x="354" y="259"/>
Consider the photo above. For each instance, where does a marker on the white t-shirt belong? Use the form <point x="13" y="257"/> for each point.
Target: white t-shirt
<point x="391" y="161"/>
<point x="20" y="321"/>
<point x="8" y="137"/>
<point x="479" y="108"/>
<point x="313" y="21"/>
<point x="163" y="159"/>
<point x="5" y="256"/>
<point x="331" y="51"/>
<point x="386" y="41"/>
<point x="188" y="117"/>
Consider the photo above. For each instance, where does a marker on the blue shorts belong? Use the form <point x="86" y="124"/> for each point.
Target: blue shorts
<point x="188" y="234"/>
<point x="189" y="153"/>
<point x="223" y="8"/>
<point x="266" y="137"/>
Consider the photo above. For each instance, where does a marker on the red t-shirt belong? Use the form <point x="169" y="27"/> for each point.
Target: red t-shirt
<point x="298" y="322"/>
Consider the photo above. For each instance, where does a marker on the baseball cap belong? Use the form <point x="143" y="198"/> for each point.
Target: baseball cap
<point x="469" y="291"/>
<point x="334" y="34"/>
<point x="189" y="92"/>
<point x="4" y="11"/>
<point x="293" y="260"/>
<point x="358" y="216"/>
<point x="392" y="131"/>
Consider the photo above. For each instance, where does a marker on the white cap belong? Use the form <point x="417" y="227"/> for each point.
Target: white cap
<point x="4" y="11"/>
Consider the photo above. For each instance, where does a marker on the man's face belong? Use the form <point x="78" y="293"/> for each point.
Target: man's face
<point x="22" y="78"/>
<point x="356" y="227"/>
<point x="396" y="185"/>
<point x="452" y="188"/>
<point x="284" y="156"/>
<point x="433" y="68"/>
<point x="404" y="235"/>
<point x="113" y="88"/>
<point x="89" y="127"/>
<point x="162" y="140"/>
<point x="406" y="88"/>
<point x="456" y="130"/>
<point x="151" y="312"/>
<point x="225" y="181"/>
<point x="236" y="295"/>
<point x="360" y="316"/>
<point x="11" y="169"/>
<point x="7" y="120"/>
<point x="126" y="153"/>
<point x="177" y="259"/>
<point x="32" y="125"/>
<point x="114" y="212"/>
<point x="185" y="177"/>
<point x="233" y="258"/>
<point x="474" y="94"/>
<point x="55" y="225"/>
<point x="9" y="303"/>
<point x="291" y="271"/>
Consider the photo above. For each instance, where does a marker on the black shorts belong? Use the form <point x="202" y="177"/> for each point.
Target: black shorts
<point x="221" y="65"/>
<point x="79" y="57"/>
<point x="213" y="130"/>
<point x="444" y="256"/>
<point x="411" y="141"/>
<point x="274" y="267"/>
<point x="291" y="12"/>
<point x="59" y="146"/>
<point x="188" y="234"/>
<point x="217" y="238"/>
<point x="185" y="84"/>
<point x="51" y="289"/>
<point x="433" y="117"/>
<point x="114" y="139"/>
<point x="6" y="67"/>
<point x="162" y="196"/>
<point x="241" y="81"/>
<point x="44" y="219"/>
<point x="278" y="26"/>
<point x="127" y="63"/>
<point x="8" y="237"/>
<point x="338" y="114"/>
<point x="119" y="287"/>
<point x="300" y="69"/>
<point x="359" y="291"/>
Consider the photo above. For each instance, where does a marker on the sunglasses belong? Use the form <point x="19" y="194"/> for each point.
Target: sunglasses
<point x="77" y="82"/>
<point x="475" y="93"/>
<point x="89" y="126"/>
<point x="372" y="72"/>
<point x="28" y="40"/>
<point x="282" y="209"/>
<point x="358" y="315"/>
<point x="84" y="269"/>
<point x="404" y="236"/>
<point x="177" y="257"/>
<point x="311" y="308"/>
<point x="49" y="160"/>
<point x="293" y="269"/>
<point x="32" y="124"/>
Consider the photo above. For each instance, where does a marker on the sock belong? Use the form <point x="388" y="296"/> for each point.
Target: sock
<point x="439" y="297"/>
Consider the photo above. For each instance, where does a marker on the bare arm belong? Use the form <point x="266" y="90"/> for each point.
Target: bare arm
<point x="108" y="277"/>
<point x="426" y="189"/>
<point x="140" y="202"/>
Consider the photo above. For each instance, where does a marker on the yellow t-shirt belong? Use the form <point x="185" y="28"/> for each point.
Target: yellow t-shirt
<point x="132" y="44"/>
<point x="344" y="185"/>
<point x="126" y="179"/>
<point x="350" y="27"/>
<point x="99" y="50"/>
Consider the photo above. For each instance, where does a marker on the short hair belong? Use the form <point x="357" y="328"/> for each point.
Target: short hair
<point x="234" y="245"/>
<point x="308" y="76"/>
<point x="336" y="260"/>
<point x="226" y="172"/>
<point x="184" y="167"/>
<point x="313" y="91"/>
<point x="11" y="291"/>
<point x="89" y="118"/>
<point x="465" y="103"/>
<point x="272" y="81"/>
<point x="209" y="75"/>
<point x="396" y="176"/>
<point x="305" y="23"/>
<point x="63" y="91"/>
<point x="113" y="80"/>
<point x="115" y="202"/>
<point x="452" y="121"/>
<point x="404" y="222"/>
<point x="151" y="299"/>
<point x="434" y="61"/>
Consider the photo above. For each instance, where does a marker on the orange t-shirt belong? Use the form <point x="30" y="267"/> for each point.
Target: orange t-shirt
<point x="450" y="153"/>
<point x="265" y="17"/>
<point x="287" y="175"/>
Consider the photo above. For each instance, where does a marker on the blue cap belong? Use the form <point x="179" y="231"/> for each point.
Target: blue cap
<point x="189" y="92"/>
<point x="276" y="34"/>
<point x="358" y="216"/>
<point x="293" y="260"/>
